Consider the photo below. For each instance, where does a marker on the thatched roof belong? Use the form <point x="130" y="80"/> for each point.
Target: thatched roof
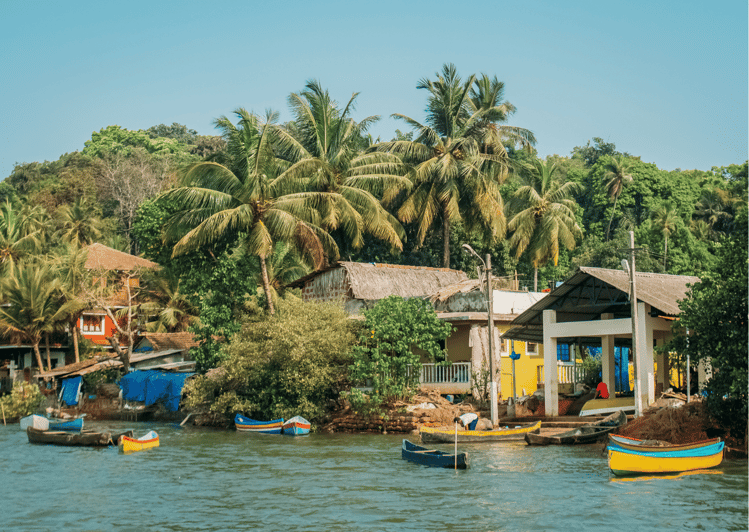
<point x="181" y="341"/>
<point x="101" y="257"/>
<point x="590" y="292"/>
<point x="373" y="281"/>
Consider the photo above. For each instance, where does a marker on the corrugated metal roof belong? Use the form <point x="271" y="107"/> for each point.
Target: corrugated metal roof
<point x="590" y="292"/>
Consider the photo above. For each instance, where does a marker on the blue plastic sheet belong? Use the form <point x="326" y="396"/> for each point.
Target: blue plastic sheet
<point x="153" y="386"/>
<point x="70" y="388"/>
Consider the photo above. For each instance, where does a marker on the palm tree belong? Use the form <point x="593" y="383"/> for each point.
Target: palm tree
<point x="542" y="215"/>
<point x="664" y="218"/>
<point x="617" y="176"/>
<point x="70" y="268"/>
<point x="714" y="208"/>
<point x="169" y="309"/>
<point x="250" y="203"/>
<point x="80" y="224"/>
<point x="458" y="156"/>
<point x="34" y="304"/>
<point x="16" y="238"/>
<point x="322" y="148"/>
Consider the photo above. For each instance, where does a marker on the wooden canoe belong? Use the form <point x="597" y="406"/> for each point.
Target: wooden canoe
<point x="432" y="457"/>
<point x="446" y="434"/>
<point x="87" y="438"/>
<point x="626" y="462"/>
<point x="655" y="446"/>
<point x="296" y="426"/>
<point x="245" y="424"/>
<point x="589" y="433"/>
<point x="147" y="441"/>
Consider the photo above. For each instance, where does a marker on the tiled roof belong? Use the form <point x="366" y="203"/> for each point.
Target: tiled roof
<point x="102" y="257"/>
<point x="181" y="341"/>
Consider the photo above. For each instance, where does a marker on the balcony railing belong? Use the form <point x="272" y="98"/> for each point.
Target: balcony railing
<point x="567" y="373"/>
<point x="457" y="372"/>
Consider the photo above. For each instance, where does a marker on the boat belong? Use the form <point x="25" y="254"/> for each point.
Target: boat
<point x="87" y="438"/>
<point x="586" y="434"/>
<point x="447" y="434"/>
<point x="128" y="444"/>
<point x="296" y="426"/>
<point x="599" y="407"/>
<point x="432" y="457"/>
<point x="655" y="446"/>
<point x="245" y="424"/>
<point x="627" y="462"/>
<point x="35" y="421"/>
<point x="75" y="425"/>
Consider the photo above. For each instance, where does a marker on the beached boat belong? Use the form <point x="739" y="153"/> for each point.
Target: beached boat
<point x="73" y="425"/>
<point x="296" y="426"/>
<point x="147" y="441"/>
<point x="626" y="462"/>
<point x="655" y="446"/>
<point x="432" y="457"/>
<point x="87" y="438"/>
<point x="447" y="434"/>
<point x="604" y="407"/>
<point x="245" y="424"/>
<point x="34" y="421"/>
<point x="589" y="433"/>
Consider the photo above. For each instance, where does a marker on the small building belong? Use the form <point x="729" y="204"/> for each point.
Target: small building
<point x="593" y="307"/>
<point x="168" y="351"/>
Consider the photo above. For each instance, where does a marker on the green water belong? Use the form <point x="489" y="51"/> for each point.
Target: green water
<point x="202" y="479"/>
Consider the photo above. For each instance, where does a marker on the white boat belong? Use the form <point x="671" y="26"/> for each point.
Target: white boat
<point x="604" y="407"/>
<point x="34" y="421"/>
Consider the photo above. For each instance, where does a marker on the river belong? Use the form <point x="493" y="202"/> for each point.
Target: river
<point x="202" y="479"/>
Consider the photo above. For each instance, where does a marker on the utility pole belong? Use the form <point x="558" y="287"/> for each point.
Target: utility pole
<point x="635" y="347"/>
<point x="490" y="311"/>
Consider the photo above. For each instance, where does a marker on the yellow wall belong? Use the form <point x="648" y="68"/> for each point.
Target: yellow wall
<point x="525" y="367"/>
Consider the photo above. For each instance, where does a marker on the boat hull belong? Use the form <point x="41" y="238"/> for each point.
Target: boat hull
<point x="432" y="457"/>
<point x="83" y="438"/>
<point x="447" y="434"/>
<point x="604" y="407"/>
<point x="626" y="462"/>
<point x="131" y="445"/>
<point x="34" y="421"/>
<point x="296" y="426"/>
<point x="70" y="425"/>
<point x="245" y="424"/>
<point x="656" y="446"/>
<point x="586" y="434"/>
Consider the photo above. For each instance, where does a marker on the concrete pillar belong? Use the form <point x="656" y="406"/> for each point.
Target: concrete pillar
<point x="551" y="374"/>
<point x="663" y="370"/>
<point x="644" y="354"/>
<point x="608" y="364"/>
<point x="704" y="372"/>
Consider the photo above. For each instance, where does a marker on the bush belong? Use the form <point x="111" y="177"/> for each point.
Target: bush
<point x="24" y="400"/>
<point x="283" y="365"/>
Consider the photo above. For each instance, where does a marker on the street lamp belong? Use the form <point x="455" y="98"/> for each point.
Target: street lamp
<point x="490" y="331"/>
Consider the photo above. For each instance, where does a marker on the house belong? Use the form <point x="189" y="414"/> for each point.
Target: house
<point x="592" y="307"/>
<point x="167" y="351"/>
<point x="94" y="324"/>
<point x="456" y="299"/>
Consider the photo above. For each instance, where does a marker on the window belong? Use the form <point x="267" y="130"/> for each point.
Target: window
<point x="92" y="324"/>
<point x="563" y="352"/>
<point x="503" y="348"/>
<point x="531" y="348"/>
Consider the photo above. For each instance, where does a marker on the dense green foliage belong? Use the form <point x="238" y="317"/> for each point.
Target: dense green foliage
<point x="715" y="314"/>
<point x="291" y="363"/>
<point x="395" y="334"/>
<point x="24" y="400"/>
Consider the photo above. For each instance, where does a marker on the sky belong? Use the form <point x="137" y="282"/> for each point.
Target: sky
<point x="663" y="80"/>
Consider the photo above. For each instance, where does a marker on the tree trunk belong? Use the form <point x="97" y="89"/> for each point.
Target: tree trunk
<point x="266" y="285"/>
<point x="445" y="238"/>
<point x="124" y="357"/>
<point x="665" y="253"/>
<point x="608" y="229"/>
<point x="75" y="342"/>
<point x="49" y="358"/>
<point x="38" y="355"/>
<point x="535" y="278"/>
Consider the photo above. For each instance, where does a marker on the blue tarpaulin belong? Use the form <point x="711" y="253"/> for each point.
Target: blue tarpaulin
<point x="70" y="389"/>
<point x="153" y="386"/>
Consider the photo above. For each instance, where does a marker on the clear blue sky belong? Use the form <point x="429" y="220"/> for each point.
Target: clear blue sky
<point x="664" y="80"/>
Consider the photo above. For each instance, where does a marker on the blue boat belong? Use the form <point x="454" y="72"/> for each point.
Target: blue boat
<point x="296" y="426"/>
<point x="245" y="424"/>
<point x="432" y="457"/>
<point x="69" y="425"/>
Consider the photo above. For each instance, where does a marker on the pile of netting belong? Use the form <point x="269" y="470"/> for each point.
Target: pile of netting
<point x="686" y="424"/>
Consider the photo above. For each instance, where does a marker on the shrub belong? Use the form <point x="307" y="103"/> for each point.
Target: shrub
<point x="24" y="400"/>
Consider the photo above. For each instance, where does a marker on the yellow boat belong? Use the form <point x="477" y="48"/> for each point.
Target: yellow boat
<point x="129" y="445"/>
<point x="624" y="462"/>
<point x="446" y="434"/>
